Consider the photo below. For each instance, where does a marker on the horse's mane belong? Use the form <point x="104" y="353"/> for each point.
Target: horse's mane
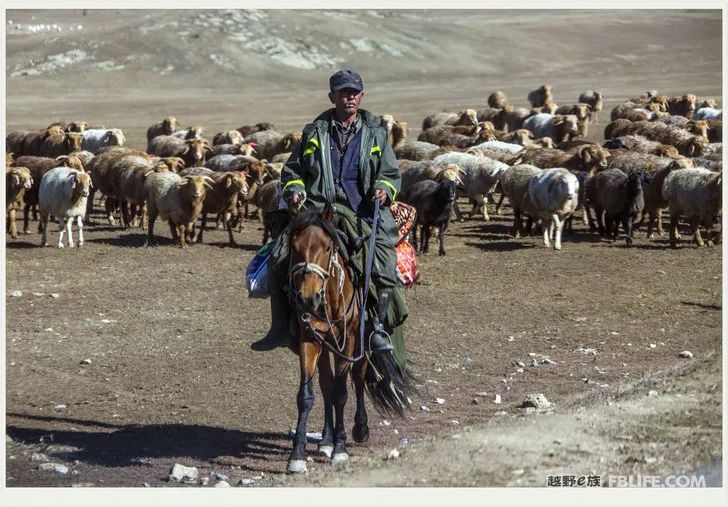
<point x="312" y="217"/>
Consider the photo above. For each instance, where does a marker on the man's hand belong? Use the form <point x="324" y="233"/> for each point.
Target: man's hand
<point x="381" y="196"/>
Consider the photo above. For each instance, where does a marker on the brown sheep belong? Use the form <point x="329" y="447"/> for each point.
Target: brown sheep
<point x="589" y="158"/>
<point x="222" y="197"/>
<point x="17" y="182"/>
<point x="466" y="117"/>
<point x="266" y="199"/>
<point x="56" y="145"/>
<point x="541" y="96"/>
<point x="229" y="137"/>
<point x="176" y="199"/>
<point x="708" y="103"/>
<point x="73" y="126"/>
<point x="399" y="134"/>
<point x="38" y="166"/>
<point x="269" y="143"/>
<point x="498" y="100"/>
<point x="166" y="127"/>
<point x="549" y="107"/>
<point x="682" y="106"/>
<point x="99" y="168"/>
<point x="687" y="144"/>
<point x="641" y="144"/>
<point x="498" y="117"/>
<point x="523" y="137"/>
<point x="246" y="130"/>
<point x="192" y="151"/>
<point x="447" y="135"/>
<point x="232" y="149"/>
<point x="516" y="117"/>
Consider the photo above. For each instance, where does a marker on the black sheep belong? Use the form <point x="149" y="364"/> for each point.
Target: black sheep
<point x="434" y="203"/>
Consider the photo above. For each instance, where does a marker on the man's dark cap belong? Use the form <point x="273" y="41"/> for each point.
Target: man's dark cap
<point x="346" y="79"/>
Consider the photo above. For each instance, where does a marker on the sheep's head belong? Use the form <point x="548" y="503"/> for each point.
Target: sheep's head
<point x="194" y="132"/>
<point x="662" y="101"/>
<point x="9" y="157"/>
<point x="195" y="151"/>
<point x="80" y="183"/>
<point x="522" y="136"/>
<point x="114" y="137"/>
<point x="54" y="130"/>
<point x="399" y="132"/>
<point x="291" y="141"/>
<point x="387" y="121"/>
<point x="690" y="101"/>
<point x="696" y="146"/>
<point x="452" y="172"/>
<point x="169" y="125"/>
<point x="256" y="169"/>
<point x="666" y="150"/>
<point x="73" y="141"/>
<point x="582" y="110"/>
<point x="196" y="187"/>
<point x="709" y="103"/>
<point x="485" y="134"/>
<point x="594" y="156"/>
<point x="469" y="117"/>
<point x="549" y="107"/>
<point x="19" y="177"/>
<point x="174" y="164"/>
<point x="77" y="126"/>
<point x="235" y="181"/>
<point x="70" y="161"/>
<point x="699" y="128"/>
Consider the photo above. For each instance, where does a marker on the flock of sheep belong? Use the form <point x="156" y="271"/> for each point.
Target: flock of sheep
<point x="658" y="152"/>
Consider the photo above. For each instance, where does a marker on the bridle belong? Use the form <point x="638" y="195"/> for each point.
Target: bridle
<point x="334" y="269"/>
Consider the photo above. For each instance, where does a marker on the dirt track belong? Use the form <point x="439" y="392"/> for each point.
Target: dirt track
<point x="171" y="378"/>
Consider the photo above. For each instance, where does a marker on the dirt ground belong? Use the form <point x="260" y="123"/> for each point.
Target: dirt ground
<point x="171" y="378"/>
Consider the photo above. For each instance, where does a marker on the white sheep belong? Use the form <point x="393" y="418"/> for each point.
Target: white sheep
<point x="557" y="127"/>
<point x="500" y="146"/>
<point x="94" y="139"/>
<point x="63" y="193"/>
<point x="479" y="177"/>
<point x="696" y="195"/>
<point x="708" y="113"/>
<point x="554" y="196"/>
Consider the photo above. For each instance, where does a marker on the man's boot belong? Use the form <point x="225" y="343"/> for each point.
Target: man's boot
<point x="279" y="334"/>
<point x="378" y="341"/>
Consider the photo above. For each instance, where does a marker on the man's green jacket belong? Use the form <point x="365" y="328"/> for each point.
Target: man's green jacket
<point x="310" y="167"/>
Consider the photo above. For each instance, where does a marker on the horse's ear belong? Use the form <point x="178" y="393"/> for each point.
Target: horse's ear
<point x="328" y="213"/>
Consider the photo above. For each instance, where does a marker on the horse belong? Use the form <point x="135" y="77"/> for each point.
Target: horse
<point x="327" y="305"/>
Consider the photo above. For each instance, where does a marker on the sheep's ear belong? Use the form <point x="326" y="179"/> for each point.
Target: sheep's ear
<point x="228" y="181"/>
<point x="16" y="180"/>
<point x="108" y="135"/>
<point x="184" y="152"/>
<point x="691" y="149"/>
<point x="586" y="156"/>
<point x="72" y="177"/>
<point x="287" y="142"/>
<point x="328" y="213"/>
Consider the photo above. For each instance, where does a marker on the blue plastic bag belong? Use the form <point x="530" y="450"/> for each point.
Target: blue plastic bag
<point x="257" y="273"/>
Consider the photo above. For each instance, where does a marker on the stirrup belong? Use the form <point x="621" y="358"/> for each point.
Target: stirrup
<point x="378" y="343"/>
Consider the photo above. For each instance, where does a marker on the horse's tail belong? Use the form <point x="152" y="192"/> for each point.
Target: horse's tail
<point x="388" y="385"/>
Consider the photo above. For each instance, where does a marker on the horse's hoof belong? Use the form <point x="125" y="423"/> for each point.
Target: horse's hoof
<point x="340" y="459"/>
<point x="326" y="450"/>
<point x="360" y="434"/>
<point x="297" y="466"/>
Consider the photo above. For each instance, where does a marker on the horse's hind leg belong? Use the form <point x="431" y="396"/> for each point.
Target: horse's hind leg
<point x="326" y="446"/>
<point x="309" y="353"/>
<point x="360" y="432"/>
<point x="340" y="396"/>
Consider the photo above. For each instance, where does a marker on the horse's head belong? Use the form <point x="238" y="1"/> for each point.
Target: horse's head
<point x="313" y="257"/>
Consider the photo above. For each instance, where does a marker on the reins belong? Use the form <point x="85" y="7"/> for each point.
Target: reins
<point x="326" y="274"/>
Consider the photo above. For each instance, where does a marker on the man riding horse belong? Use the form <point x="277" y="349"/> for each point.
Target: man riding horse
<point x="344" y="159"/>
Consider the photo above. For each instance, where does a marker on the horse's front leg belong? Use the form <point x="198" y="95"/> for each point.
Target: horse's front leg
<point x="340" y="396"/>
<point x="326" y="446"/>
<point x="360" y="432"/>
<point x="309" y="353"/>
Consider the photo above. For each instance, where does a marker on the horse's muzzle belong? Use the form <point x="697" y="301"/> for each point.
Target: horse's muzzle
<point x="309" y="304"/>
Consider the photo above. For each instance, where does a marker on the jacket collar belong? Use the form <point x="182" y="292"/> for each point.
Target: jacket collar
<point x="367" y="118"/>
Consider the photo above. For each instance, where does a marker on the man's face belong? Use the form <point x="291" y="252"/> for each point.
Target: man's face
<point x="346" y="101"/>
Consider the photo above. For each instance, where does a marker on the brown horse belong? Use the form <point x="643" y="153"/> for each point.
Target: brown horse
<point x="327" y="305"/>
